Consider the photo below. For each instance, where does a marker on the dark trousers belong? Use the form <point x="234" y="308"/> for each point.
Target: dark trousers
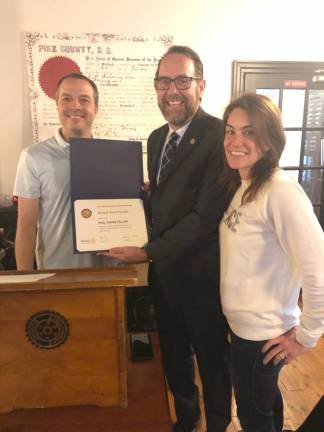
<point x="258" y="398"/>
<point x="315" y="420"/>
<point x="184" y="331"/>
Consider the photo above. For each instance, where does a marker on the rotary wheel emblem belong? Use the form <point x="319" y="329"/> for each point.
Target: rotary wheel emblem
<point x="47" y="329"/>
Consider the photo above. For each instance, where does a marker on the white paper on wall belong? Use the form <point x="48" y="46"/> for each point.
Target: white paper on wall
<point x="123" y="68"/>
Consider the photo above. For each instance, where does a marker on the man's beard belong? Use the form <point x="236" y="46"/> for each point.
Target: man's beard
<point x="174" y="116"/>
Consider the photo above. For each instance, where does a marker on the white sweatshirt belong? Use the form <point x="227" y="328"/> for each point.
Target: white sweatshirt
<point x="269" y="248"/>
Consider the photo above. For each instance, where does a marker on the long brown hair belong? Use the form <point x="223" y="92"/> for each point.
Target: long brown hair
<point x="266" y="120"/>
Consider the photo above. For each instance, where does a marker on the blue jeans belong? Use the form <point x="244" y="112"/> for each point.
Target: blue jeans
<point x="258" y="398"/>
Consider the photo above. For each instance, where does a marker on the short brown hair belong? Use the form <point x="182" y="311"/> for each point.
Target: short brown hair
<point x="188" y="52"/>
<point x="77" y="75"/>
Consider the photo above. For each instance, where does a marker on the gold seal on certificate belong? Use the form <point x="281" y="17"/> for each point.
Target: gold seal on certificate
<point x="101" y="224"/>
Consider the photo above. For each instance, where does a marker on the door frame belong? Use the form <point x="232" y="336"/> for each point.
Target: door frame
<point x="242" y="68"/>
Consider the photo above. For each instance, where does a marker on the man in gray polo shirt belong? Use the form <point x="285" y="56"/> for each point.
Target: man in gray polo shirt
<point x="43" y="184"/>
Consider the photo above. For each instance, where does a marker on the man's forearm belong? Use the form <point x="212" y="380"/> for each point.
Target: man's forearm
<point x="25" y="248"/>
<point x="26" y="232"/>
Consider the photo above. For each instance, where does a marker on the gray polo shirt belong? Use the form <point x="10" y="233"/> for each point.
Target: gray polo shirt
<point x="44" y="172"/>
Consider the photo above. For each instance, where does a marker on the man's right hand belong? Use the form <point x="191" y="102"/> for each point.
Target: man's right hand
<point x="146" y="188"/>
<point x="129" y="254"/>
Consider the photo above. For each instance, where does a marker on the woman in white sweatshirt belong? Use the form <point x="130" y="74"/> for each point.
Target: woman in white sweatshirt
<point x="271" y="245"/>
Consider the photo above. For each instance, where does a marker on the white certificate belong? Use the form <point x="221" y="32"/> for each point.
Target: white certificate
<point x="101" y="224"/>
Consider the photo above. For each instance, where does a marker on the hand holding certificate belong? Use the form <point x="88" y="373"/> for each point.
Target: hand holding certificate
<point x="106" y="179"/>
<point x="128" y="254"/>
<point x="105" y="223"/>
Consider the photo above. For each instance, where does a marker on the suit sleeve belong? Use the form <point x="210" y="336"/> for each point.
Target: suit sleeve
<point x="200" y="225"/>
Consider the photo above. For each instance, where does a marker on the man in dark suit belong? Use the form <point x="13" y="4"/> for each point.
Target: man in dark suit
<point x="186" y="205"/>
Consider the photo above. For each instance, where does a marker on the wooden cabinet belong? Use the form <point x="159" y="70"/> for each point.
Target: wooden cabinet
<point x="62" y="339"/>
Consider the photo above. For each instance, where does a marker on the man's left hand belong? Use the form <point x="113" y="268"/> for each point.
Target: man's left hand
<point x="284" y="347"/>
<point x="130" y="254"/>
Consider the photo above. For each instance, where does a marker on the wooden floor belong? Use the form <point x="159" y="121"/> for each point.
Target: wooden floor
<point x="302" y="385"/>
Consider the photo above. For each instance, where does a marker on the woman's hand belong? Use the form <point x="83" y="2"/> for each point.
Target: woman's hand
<point x="283" y="347"/>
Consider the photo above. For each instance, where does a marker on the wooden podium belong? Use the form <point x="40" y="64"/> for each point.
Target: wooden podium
<point x="62" y="339"/>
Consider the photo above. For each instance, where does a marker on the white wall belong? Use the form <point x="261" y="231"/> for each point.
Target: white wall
<point x="219" y="30"/>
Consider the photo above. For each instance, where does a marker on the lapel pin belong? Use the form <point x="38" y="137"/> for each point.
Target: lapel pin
<point x="193" y="140"/>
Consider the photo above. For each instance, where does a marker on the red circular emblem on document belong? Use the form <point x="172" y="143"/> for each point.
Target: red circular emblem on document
<point x="52" y="70"/>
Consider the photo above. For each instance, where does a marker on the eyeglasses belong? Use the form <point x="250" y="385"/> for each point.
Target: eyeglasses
<point x="181" y="82"/>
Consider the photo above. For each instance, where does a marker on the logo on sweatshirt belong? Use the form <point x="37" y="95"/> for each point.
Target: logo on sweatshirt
<point x="233" y="219"/>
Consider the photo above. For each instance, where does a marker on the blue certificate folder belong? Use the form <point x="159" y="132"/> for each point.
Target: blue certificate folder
<point x="104" y="169"/>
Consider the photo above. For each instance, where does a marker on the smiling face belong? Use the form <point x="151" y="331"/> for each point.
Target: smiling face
<point x="179" y="106"/>
<point x="241" y="147"/>
<point x="76" y="108"/>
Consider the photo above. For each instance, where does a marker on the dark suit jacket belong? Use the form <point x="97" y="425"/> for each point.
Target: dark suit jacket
<point x="185" y="210"/>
